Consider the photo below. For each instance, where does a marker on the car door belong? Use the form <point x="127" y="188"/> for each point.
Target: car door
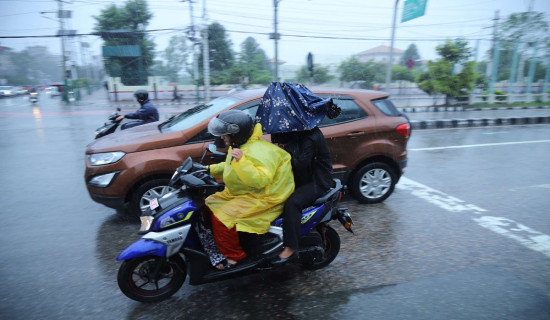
<point x="349" y="133"/>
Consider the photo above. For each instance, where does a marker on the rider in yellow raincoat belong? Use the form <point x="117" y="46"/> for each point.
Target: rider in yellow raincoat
<point x="257" y="184"/>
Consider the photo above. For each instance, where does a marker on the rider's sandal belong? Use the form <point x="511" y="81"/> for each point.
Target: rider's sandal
<point x="226" y="265"/>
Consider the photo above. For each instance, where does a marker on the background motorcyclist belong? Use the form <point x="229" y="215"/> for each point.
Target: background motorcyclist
<point x="145" y="114"/>
<point x="258" y="179"/>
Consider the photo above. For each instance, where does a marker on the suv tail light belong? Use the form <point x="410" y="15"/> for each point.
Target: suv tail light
<point x="404" y="130"/>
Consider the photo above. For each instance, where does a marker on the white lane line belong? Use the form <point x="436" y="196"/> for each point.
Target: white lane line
<point x="524" y="235"/>
<point x="528" y="237"/>
<point x="437" y="198"/>
<point x="479" y="145"/>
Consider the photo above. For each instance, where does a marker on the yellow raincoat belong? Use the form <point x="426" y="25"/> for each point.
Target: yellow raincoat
<point x="256" y="187"/>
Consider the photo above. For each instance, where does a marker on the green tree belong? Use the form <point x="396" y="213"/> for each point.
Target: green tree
<point x="364" y="73"/>
<point x="222" y="57"/>
<point x="410" y="53"/>
<point x="176" y="57"/>
<point x="320" y="74"/>
<point x="441" y="78"/>
<point x="526" y="27"/>
<point x="402" y="73"/>
<point x="124" y="25"/>
<point x="252" y="65"/>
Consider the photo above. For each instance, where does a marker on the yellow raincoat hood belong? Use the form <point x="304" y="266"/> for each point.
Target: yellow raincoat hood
<point x="256" y="186"/>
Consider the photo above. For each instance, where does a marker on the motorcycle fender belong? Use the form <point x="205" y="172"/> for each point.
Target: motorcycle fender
<point x="143" y="247"/>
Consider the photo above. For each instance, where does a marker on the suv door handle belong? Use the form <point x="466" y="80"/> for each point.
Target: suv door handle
<point x="355" y="133"/>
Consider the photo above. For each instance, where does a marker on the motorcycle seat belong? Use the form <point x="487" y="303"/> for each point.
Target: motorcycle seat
<point x="330" y="193"/>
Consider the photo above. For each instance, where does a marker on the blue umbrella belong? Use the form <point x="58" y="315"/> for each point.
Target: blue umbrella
<point x="289" y="107"/>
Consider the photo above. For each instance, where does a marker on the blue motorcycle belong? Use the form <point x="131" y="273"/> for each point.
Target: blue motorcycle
<point x="156" y="266"/>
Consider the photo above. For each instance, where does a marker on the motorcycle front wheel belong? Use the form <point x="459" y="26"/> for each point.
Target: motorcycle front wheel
<point x="151" y="279"/>
<point x="331" y="248"/>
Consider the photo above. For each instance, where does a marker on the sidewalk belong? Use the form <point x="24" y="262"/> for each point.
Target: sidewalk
<point x="456" y="117"/>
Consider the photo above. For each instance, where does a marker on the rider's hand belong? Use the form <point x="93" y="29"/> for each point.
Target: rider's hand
<point x="237" y="154"/>
<point x="119" y="118"/>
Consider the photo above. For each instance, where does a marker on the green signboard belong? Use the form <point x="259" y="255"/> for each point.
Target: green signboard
<point x="121" y="51"/>
<point x="413" y="9"/>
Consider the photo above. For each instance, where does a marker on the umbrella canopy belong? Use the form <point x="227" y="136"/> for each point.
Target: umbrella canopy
<point x="289" y="107"/>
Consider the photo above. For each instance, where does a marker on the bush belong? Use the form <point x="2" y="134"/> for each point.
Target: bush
<point x="499" y="95"/>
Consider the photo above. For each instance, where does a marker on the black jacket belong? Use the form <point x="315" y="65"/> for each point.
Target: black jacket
<point x="147" y="113"/>
<point x="311" y="159"/>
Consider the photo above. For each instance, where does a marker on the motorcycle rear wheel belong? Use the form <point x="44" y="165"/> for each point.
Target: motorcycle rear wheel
<point x="331" y="249"/>
<point x="138" y="281"/>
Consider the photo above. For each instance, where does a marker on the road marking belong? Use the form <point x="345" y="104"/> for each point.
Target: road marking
<point x="543" y="186"/>
<point x="528" y="237"/>
<point x="479" y="145"/>
<point x="511" y="229"/>
<point x="437" y="198"/>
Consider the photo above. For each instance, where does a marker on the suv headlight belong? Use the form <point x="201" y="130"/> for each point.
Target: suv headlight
<point x="98" y="159"/>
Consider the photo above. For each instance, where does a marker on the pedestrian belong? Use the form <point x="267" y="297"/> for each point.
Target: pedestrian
<point x="176" y="96"/>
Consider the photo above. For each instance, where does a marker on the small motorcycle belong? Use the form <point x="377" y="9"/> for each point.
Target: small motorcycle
<point x="33" y="97"/>
<point x="108" y="127"/>
<point x="156" y="266"/>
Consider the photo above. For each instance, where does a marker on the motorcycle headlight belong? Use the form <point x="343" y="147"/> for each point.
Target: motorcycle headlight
<point x="98" y="159"/>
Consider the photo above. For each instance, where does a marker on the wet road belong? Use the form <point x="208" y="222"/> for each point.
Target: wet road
<point x="464" y="236"/>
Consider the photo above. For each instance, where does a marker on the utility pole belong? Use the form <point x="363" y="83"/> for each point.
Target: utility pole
<point x="195" y="43"/>
<point x="491" y="72"/>
<point x="276" y="36"/>
<point x="388" y="68"/>
<point x="205" y="54"/>
<point x="63" y="57"/>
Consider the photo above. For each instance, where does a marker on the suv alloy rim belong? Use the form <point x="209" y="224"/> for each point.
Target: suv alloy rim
<point x="375" y="183"/>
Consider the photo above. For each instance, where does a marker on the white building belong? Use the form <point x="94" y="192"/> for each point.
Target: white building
<point x="380" y="54"/>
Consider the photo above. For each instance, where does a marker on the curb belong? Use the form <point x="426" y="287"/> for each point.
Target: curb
<point x="462" y="108"/>
<point x="463" y="123"/>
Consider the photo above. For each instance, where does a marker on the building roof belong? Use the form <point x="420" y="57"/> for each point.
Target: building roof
<point x="380" y="49"/>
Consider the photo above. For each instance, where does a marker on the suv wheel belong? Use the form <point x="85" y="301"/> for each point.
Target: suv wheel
<point x="143" y="195"/>
<point x="373" y="183"/>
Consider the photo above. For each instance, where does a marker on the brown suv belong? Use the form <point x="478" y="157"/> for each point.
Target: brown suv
<point x="368" y="142"/>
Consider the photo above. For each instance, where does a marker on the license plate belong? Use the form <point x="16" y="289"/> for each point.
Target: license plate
<point x="154" y="203"/>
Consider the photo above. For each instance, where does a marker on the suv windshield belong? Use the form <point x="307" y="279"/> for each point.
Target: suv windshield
<point x="197" y="114"/>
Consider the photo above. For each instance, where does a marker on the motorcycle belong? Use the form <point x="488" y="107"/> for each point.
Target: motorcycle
<point x="156" y="266"/>
<point x="108" y="127"/>
<point x="33" y="97"/>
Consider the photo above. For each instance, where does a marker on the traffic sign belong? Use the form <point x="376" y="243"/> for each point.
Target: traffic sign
<point x="413" y="9"/>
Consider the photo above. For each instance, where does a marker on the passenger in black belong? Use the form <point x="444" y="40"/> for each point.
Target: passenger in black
<point x="312" y="168"/>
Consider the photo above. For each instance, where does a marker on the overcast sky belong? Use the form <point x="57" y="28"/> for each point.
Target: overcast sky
<point x="330" y="29"/>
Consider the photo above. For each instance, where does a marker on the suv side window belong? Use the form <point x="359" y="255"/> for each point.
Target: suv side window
<point x="351" y="111"/>
<point x="387" y="107"/>
<point x="204" y="135"/>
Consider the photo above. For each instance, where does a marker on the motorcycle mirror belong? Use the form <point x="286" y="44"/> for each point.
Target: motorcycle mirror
<point x="212" y="148"/>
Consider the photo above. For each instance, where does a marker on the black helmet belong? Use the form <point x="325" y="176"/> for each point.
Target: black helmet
<point x="141" y="95"/>
<point x="234" y="123"/>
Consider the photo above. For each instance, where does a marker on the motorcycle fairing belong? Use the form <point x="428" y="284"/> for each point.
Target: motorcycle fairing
<point x="176" y="216"/>
<point x="162" y="244"/>
<point x="310" y="218"/>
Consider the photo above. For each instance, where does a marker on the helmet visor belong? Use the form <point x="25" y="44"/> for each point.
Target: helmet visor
<point x="217" y="127"/>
